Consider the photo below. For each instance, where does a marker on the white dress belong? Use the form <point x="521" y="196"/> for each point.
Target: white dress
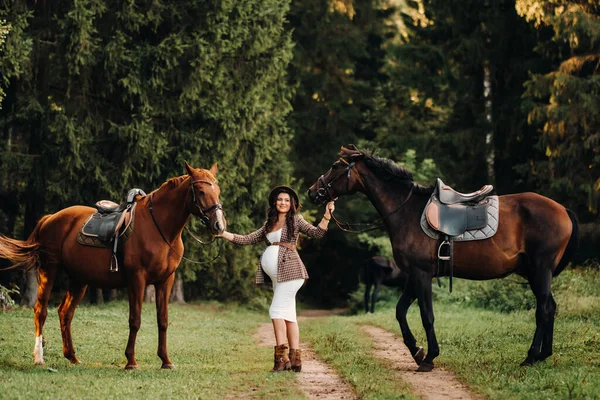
<point x="283" y="305"/>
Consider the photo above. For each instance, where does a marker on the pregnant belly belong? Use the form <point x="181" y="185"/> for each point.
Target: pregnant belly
<point x="269" y="261"/>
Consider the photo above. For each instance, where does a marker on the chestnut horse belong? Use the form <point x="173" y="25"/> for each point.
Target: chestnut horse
<point x="536" y="238"/>
<point x="150" y="255"/>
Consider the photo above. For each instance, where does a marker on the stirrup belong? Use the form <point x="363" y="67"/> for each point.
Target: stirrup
<point x="116" y="264"/>
<point x="440" y="256"/>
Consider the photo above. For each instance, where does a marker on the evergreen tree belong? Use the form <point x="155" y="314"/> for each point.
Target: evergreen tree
<point x="117" y="95"/>
<point x="563" y="103"/>
<point x="472" y="58"/>
<point x="338" y="69"/>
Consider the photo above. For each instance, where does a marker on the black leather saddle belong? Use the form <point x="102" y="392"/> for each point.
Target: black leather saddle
<point x="453" y="213"/>
<point x="111" y="222"/>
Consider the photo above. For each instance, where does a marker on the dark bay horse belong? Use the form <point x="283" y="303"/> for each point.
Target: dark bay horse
<point x="536" y="238"/>
<point x="379" y="271"/>
<point x="150" y="255"/>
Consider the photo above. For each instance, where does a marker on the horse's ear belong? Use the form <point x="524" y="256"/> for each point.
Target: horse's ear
<point x="188" y="168"/>
<point x="213" y="170"/>
<point x="348" y="151"/>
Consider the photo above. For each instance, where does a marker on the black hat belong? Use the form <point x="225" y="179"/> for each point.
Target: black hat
<point x="283" y="189"/>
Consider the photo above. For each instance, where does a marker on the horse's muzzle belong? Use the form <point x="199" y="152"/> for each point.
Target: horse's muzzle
<point x="219" y="224"/>
<point x="318" y="196"/>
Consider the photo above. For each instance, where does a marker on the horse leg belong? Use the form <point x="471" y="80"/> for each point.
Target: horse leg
<point x="549" y="332"/>
<point x="46" y="280"/>
<point x="367" y="295"/>
<point x="405" y="301"/>
<point x="163" y="292"/>
<point x="66" y="310"/>
<point x="423" y="291"/>
<point x="548" y="340"/>
<point x="136" y="297"/>
<point x="544" y="315"/>
<point x="375" y="293"/>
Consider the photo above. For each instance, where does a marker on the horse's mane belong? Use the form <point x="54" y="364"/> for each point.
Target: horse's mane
<point x="178" y="180"/>
<point x="387" y="169"/>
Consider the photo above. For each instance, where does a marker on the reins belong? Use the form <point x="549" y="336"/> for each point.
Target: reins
<point x="345" y="227"/>
<point x="198" y="240"/>
<point x="380" y="223"/>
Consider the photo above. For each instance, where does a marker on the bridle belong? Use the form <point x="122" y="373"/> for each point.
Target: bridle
<point x="203" y="217"/>
<point x="203" y="212"/>
<point x="324" y="194"/>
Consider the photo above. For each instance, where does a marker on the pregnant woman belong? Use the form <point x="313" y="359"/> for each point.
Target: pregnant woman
<point x="281" y="264"/>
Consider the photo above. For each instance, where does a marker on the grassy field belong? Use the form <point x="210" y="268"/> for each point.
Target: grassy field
<point x="217" y="357"/>
<point x="485" y="347"/>
<point x="212" y="346"/>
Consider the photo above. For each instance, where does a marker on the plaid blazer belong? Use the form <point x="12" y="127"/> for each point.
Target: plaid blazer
<point x="289" y="264"/>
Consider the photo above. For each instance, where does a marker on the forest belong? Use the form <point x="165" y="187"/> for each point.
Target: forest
<point x="101" y="96"/>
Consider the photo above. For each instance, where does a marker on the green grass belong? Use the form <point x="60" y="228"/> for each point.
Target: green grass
<point x="216" y="354"/>
<point x="484" y="347"/>
<point x="212" y="346"/>
<point x="338" y="341"/>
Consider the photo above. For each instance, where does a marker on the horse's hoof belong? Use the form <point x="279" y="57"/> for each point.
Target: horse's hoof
<point x="74" y="360"/>
<point x="131" y="367"/>
<point x="527" y="363"/>
<point x="425" y="367"/>
<point x="419" y="355"/>
<point x="168" y="366"/>
<point x="39" y="362"/>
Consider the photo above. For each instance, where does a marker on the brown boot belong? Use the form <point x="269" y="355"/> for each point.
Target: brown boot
<point x="282" y="361"/>
<point x="296" y="359"/>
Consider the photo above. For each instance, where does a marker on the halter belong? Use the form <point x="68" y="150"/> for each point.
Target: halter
<point x="323" y="192"/>
<point x="203" y="217"/>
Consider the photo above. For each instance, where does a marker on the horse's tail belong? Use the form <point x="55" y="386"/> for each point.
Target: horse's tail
<point x="23" y="254"/>
<point x="571" y="246"/>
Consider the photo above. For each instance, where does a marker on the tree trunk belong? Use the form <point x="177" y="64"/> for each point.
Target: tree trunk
<point x="114" y="294"/>
<point x="99" y="296"/>
<point x="150" y="294"/>
<point x="29" y="290"/>
<point x="489" y="137"/>
<point x="35" y="197"/>
<point x="177" y="292"/>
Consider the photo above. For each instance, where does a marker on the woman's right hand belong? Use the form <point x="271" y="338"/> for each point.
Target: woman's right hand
<point x="226" y="235"/>
<point x="329" y="208"/>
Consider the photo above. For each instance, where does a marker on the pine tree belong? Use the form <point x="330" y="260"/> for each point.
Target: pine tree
<point x="117" y="95"/>
<point x="563" y="103"/>
<point x="474" y="58"/>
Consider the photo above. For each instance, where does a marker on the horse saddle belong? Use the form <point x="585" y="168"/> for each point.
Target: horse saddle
<point x="458" y="216"/>
<point x="110" y="223"/>
<point x="453" y="213"/>
<point x="111" y="217"/>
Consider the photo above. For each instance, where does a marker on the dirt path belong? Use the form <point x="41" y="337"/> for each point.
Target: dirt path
<point x="437" y="384"/>
<point x="317" y="380"/>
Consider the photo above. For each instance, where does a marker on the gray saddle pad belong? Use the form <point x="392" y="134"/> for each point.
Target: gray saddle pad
<point x="476" y="234"/>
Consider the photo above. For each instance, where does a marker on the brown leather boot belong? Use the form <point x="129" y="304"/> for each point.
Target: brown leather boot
<point x="296" y="359"/>
<point x="282" y="361"/>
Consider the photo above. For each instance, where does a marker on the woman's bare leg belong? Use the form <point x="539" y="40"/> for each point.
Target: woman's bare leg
<point x="293" y="334"/>
<point x="280" y="329"/>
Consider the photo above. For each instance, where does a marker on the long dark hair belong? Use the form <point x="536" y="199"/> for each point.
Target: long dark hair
<point x="273" y="214"/>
